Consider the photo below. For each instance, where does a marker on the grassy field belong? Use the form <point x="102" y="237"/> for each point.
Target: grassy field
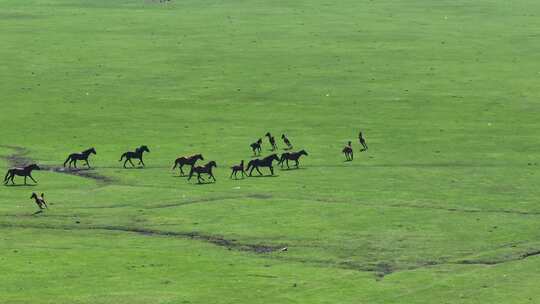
<point x="443" y="208"/>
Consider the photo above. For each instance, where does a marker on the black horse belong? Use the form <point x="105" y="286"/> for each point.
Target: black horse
<point x="285" y="157"/>
<point x="40" y="200"/>
<point x="26" y="172"/>
<point x="138" y="154"/>
<point x="362" y="141"/>
<point x="287" y="142"/>
<point x="73" y="158"/>
<point x="256" y="147"/>
<point x="206" y="169"/>
<point x="348" y="151"/>
<point x="271" y="140"/>
<point x="238" y="168"/>
<point x="186" y="160"/>
<point x="265" y="162"/>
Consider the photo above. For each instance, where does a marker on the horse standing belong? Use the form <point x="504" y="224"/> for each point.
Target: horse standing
<point x="40" y="200"/>
<point x="26" y="172"/>
<point x="272" y="141"/>
<point x="238" y="168"/>
<point x="73" y="158"/>
<point x="256" y="147"/>
<point x="138" y="154"/>
<point x="265" y="162"/>
<point x="348" y="151"/>
<point x="190" y="161"/>
<point x="206" y="169"/>
<point x="285" y="157"/>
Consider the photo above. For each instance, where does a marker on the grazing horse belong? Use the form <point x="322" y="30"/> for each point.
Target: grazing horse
<point x="206" y="169"/>
<point x="40" y="200"/>
<point x="348" y="151"/>
<point x="73" y="158"/>
<point x="287" y="142"/>
<point x="272" y="141"/>
<point x="190" y="161"/>
<point x="138" y="154"/>
<point x="256" y="147"/>
<point x="265" y="162"/>
<point x="362" y="142"/>
<point x="26" y="172"/>
<point x="238" y="168"/>
<point x="285" y="157"/>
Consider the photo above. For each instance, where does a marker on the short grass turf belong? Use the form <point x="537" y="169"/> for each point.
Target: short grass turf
<point x="443" y="208"/>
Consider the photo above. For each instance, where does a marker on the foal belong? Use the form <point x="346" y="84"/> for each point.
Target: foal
<point x="348" y="151"/>
<point x="272" y="141"/>
<point x="207" y="169"/>
<point x="190" y="161"/>
<point x="256" y="147"/>
<point x="40" y="200"/>
<point x="238" y="168"/>
<point x="265" y="162"/>
<point x="285" y="157"/>
<point x="287" y="142"/>
<point x="362" y="142"/>
<point x="73" y="158"/>
<point x="138" y="154"/>
<point x="26" y="172"/>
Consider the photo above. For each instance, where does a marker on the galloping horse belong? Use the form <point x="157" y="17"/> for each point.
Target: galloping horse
<point x="362" y="141"/>
<point x="265" y="162"/>
<point x="256" y="147"/>
<point x="285" y="157"/>
<point x="286" y="141"/>
<point x="26" y="172"/>
<point x="190" y="160"/>
<point x="348" y="151"/>
<point x="40" y="200"/>
<point x="206" y="169"/>
<point x="73" y="158"/>
<point x="238" y="168"/>
<point x="272" y="141"/>
<point x="138" y="154"/>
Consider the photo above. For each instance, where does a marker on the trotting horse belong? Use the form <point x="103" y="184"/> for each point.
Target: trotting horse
<point x="189" y="160"/>
<point x="265" y="162"/>
<point x="206" y="169"/>
<point x="256" y="147"/>
<point x="238" y="168"/>
<point x="138" y="154"/>
<point x="40" y="200"/>
<point x="73" y="158"/>
<point x="285" y="157"/>
<point x="26" y="172"/>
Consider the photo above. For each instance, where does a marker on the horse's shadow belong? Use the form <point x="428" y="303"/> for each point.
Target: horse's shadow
<point x="37" y="212"/>
<point x="205" y="183"/>
<point x="292" y="169"/>
<point x="265" y="175"/>
<point x="20" y="185"/>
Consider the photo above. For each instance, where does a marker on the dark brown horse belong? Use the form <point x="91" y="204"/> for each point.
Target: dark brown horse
<point x="256" y="147"/>
<point x="40" y="200"/>
<point x="348" y="151"/>
<point x="138" y="154"/>
<point x="238" y="168"/>
<point x="189" y="160"/>
<point x="265" y="162"/>
<point x="362" y="141"/>
<point x="285" y="157"/>
<point x="206" y="169"/>
<point x="286" y="141"/>
<point x="271" y="140"/>
<point x="73" y="158"/>
<point x="26" y="172"/>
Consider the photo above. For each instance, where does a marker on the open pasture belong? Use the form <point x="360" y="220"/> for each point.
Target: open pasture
<point x="443" y="208"/>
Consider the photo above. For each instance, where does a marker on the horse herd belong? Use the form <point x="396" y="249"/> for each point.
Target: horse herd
<point x="191" y="161"/>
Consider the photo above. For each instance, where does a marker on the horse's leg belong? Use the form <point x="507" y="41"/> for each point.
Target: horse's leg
<point x="212" y="176"/>
<point x="233" y="172"/>
<point x="25" y="179"/>
<point x="141" y="162"/>
<point x="131" y="162"/>
<point x="271" y="170"/>
<point x="30" y="175"/>
<point x="296" y="160"/>
<point x="251" y="171"/>
<point x="87" y="163"/>
<point x="181" y="171"/>
<point x="260" y="173"/>
<point x="125" y="162"/>
<point x="75" y="163"/>
<point x="288" y="164"/>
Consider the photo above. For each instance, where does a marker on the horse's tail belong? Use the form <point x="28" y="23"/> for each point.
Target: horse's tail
<point x="69" y="157"/>
<point x="7" y="174"/>
<point x="122" y="157"/>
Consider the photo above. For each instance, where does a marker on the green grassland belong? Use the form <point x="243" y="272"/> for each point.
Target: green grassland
<point x="443" y="208"/>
